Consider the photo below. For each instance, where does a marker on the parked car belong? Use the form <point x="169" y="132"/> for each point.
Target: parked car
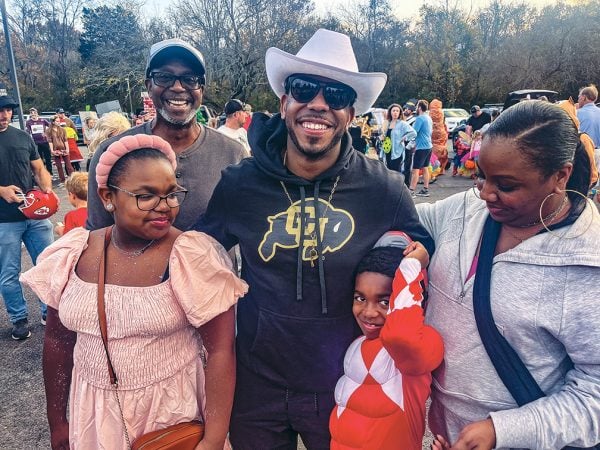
<point x="78" y="127"/>
<point x="512" y="98"/>
<point x="15" y="119"/>
<point x="454" y="117"/>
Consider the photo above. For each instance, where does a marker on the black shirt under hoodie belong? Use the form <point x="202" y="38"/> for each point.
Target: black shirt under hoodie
<point x="296" y="321"/>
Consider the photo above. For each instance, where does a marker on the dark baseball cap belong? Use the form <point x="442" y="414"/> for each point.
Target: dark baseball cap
<point x="475" y="108"/>
<point x="232" y="106"/>
<point x="6" y="101"/>
<point x="169" y="49"/>
<point x="60" y="111"/>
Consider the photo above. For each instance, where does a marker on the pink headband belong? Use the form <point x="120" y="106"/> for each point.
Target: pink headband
<point x="127" y="144"/>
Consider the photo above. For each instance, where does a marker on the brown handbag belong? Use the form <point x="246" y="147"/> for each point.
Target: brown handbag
<point x="182" y="436"/>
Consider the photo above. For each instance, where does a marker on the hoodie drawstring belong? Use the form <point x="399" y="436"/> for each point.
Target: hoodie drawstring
<point x="316" y="247"/>
<point x="320" y="249"/>
<point x="300" y="245"/>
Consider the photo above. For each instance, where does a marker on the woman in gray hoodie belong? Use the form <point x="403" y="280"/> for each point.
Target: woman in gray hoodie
<point x="529" y="215"/>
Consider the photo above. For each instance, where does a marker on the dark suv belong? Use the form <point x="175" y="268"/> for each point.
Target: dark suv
<point x="78" y="127"/>
<point x="512" y="98"/>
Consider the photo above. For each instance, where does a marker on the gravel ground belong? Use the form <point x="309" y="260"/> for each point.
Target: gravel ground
<point x="22" y="407"/>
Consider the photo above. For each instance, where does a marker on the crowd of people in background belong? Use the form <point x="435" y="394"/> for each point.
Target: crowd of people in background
<point x="334" y="342"/>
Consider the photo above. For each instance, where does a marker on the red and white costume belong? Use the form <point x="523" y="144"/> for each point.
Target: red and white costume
<point x="381" y="396"/>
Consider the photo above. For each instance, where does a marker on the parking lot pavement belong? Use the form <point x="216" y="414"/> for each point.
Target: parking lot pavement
<point x="23" y="422"/>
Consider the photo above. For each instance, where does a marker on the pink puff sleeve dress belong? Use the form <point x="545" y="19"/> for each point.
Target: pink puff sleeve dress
<point x="153" y="342"/>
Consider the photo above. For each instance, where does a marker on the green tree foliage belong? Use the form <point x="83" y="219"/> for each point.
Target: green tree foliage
<point x="234" y="35"/>
<point x="69" y="53"/>
<point x="112" y="56"/>
<point x="45" y="41"/>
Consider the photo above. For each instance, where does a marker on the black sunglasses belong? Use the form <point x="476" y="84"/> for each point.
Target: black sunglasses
<point x="303" y="89"/>
<point x="165" y="79"/>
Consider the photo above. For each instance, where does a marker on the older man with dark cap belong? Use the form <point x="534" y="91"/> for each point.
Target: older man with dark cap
<point x="175" y="79"/>
<point x="20" y="164"/>
<point x="305" y="209"/>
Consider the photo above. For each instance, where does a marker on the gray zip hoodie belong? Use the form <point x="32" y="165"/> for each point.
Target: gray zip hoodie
<point x="545" y="296"/>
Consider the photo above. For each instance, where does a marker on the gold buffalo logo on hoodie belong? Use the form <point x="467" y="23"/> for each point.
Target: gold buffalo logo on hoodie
<point x="335" y="228"/>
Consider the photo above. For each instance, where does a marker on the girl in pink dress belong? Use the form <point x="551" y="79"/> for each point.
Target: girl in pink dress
<point x="167" y="293"/>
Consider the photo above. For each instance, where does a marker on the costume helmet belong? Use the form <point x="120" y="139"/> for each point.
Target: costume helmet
<point x="38" y="205"/>
<point x="401" y="240"/>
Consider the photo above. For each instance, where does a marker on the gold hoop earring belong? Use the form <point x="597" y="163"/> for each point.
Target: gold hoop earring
<point x="554" y="214"/>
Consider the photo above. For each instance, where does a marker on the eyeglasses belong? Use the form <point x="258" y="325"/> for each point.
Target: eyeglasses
<point x="304" y="89"/>
<point x="148" y="202"/>
<point x="165" y="79"/>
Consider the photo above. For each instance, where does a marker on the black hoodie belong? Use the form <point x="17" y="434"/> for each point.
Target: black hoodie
<point x="296" y="321"/>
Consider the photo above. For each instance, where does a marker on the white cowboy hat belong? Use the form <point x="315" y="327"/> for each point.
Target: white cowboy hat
<point x="327" y="54"/>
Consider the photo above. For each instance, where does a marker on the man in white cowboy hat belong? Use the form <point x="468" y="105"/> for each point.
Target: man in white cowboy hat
<point x="175" y="78"/>
<point x="20" y="165"/>
<point x="304" y="210"/>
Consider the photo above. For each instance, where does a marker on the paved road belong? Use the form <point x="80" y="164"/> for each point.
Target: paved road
<point x="22" y="403"/>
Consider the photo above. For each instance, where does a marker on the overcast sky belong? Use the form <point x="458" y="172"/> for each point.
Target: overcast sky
<point x="402" y="8"/>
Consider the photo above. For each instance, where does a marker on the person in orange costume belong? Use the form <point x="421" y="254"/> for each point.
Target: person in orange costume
<point x="387" y="371"/>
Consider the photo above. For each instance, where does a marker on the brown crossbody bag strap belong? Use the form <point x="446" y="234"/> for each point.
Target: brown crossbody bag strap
<point x="114" y="381"/>
<point x="182" y="436"/>
<point x="102" y="308"/>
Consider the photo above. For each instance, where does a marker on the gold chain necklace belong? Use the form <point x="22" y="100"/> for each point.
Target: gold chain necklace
<point x="550" y="218"/>
<point x="312" y="250"/>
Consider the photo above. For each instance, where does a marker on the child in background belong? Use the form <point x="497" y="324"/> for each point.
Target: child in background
<point x="77" y="188"/>
<point x="74" y="153"/>
<point x="469" y="160"/>
<point x="462" y="147"/>
<point x="381" y="396"/>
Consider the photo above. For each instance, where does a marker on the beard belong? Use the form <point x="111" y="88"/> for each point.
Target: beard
<point x="314" y="154"/>
<point x="177" y="122"/>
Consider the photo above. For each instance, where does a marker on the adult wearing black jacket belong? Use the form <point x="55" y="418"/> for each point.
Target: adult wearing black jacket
<point x="304" y="210"/>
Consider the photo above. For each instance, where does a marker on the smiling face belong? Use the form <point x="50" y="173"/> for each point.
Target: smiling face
<point x="176" y="104"/>
<point x="314" y="129"/>
<point x="512" y="187"/>
<point x="142" y="176"/>
<point x="371" y="300"/>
